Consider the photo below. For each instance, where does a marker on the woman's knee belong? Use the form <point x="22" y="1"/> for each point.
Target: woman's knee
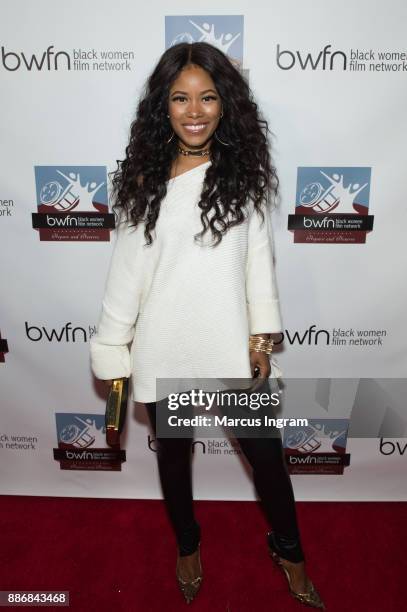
<point x="173" y="450"/>
<point x="263" y="451"/>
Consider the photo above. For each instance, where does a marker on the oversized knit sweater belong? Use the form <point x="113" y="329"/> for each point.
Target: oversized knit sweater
<point x="187" y="308"/>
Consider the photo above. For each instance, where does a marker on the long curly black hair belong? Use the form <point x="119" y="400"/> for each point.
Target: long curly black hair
<point x="239" y="173"/>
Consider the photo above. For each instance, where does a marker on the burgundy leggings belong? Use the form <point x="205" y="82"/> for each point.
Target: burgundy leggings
<point x="270" y="476"/>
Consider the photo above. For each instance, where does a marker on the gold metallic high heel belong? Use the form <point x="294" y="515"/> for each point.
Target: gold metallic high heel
<point x="190" y="588"/>
<point x="311" y="597"/>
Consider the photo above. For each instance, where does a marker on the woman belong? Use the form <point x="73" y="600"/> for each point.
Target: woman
<point x="191" y="278"/>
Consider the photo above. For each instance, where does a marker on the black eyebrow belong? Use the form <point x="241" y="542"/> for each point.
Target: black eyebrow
<point x="185" y="93"/>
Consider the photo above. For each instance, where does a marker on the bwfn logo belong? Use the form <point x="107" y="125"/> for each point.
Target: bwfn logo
<point x="66" y="333"/>
<point x="222" y="31"/>
<point x="47" y="60"/>
<point x="332" y="205"/>
<point x="309" y="336"/>
<point x="72" y="203"/>
<point x="322" y="60"/>
<point x="389" y="447"/>
<point x="82" y="443"/>
<point x="317" y="448"/>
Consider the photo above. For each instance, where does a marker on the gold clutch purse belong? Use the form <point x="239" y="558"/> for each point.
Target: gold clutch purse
<point x="116" y="408"/>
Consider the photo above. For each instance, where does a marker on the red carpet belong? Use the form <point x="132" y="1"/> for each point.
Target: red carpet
<point x="120" y="555"/>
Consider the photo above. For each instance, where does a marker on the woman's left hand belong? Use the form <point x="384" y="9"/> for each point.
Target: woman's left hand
<point x="260" y="361"/>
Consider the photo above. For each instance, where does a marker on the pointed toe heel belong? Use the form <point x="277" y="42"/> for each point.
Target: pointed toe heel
<point x="189" y="588"/>
<point x="311" y="597"/>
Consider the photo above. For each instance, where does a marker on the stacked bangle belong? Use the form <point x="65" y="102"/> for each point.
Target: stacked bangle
<point x="261" y="345"/>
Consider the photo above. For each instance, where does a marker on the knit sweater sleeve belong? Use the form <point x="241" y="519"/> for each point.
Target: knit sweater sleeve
<point x="109" y="351"/>
<point x="261" y="288"/>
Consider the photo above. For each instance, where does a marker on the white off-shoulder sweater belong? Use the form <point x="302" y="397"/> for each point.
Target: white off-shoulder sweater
<point x="187" y="308"/>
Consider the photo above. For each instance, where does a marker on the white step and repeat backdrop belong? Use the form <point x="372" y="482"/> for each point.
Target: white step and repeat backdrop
<point x="332" y="83"/>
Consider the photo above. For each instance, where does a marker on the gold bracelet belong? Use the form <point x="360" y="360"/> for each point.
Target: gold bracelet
<point x="261" y="345"/>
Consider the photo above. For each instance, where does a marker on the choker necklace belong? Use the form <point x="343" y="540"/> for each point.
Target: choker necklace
<point x="196" y="153"/>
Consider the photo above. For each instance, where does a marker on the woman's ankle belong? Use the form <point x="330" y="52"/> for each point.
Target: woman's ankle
<point x="288" y="548"/>
<point x="188" y="539"/>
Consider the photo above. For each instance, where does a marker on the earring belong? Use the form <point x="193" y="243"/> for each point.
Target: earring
<point x="172" y="135"/>
<point x="227" y="144"/>
<point x="221" y="113"/>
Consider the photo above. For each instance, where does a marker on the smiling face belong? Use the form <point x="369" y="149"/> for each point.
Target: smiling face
<point x="194" y="107"/>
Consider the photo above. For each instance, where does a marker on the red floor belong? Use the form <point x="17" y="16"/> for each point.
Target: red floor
<point x="120" y="555"/>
